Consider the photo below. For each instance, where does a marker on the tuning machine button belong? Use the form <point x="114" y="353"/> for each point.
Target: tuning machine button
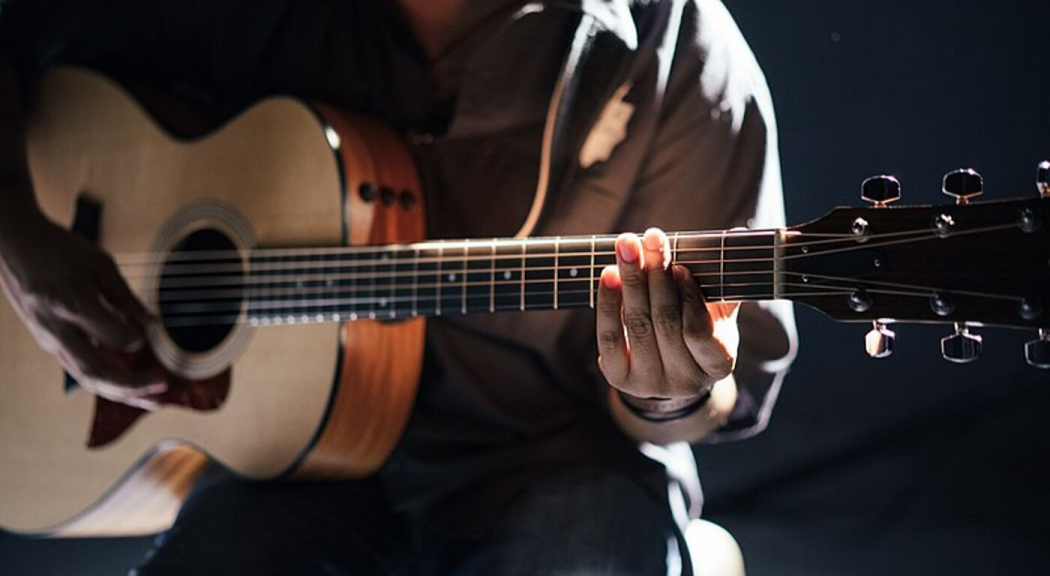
<point x="961" y="347"/>
<point x="1042" y="178"/>
<point x="1037" y="352"/>
<point x="881" y="190"/>
<point x="879" y="341"/>
<point x="963" y="185"/>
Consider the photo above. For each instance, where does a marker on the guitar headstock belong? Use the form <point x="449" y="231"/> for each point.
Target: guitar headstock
<point x="967" y="265"/>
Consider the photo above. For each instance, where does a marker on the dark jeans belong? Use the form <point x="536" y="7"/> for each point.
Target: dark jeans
<point x="582" y="522"/>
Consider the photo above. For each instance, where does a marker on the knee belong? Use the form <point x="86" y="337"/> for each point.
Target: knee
<point x="588" y="524"/>
<point x="713" y="550"/>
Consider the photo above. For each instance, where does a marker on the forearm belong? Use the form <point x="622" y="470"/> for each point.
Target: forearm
<point x="691" y="428"/>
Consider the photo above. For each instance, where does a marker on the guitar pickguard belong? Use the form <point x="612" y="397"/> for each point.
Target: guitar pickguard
<point x="113" y="419"/>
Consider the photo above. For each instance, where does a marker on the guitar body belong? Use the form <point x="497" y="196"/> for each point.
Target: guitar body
<point x="324" y="400"/>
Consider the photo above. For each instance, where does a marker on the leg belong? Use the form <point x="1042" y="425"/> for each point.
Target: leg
<point x="581" y="523"/>
<point x="231" y="527"/>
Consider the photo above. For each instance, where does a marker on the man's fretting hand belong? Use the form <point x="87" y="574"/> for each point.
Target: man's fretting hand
<point x="78" y="308"/>
<point x="659" y="341"/>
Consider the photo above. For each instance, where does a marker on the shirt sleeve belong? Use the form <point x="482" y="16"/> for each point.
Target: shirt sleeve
<point x="714" y="164"/>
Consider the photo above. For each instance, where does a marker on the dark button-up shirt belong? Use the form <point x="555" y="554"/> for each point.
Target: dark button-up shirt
<point x="659" y="116"/>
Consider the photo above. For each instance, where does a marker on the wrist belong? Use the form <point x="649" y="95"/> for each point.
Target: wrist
<point x="660" y="410"/>
<point x="709" y="417"/>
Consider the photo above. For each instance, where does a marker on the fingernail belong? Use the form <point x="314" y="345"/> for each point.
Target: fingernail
<point x="652" y="239"/>
<point x="626" y="249"/>
<point x="154" y="389"/>
<point x="609" y="278"/>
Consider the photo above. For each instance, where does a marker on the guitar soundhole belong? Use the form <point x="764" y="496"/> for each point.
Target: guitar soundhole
<point x="201" y="292"/>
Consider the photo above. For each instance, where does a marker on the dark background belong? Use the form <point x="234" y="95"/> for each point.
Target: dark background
<point x="908" y="465"/>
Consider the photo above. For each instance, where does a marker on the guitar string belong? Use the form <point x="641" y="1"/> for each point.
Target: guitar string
<point x="519" y="258"/>
<point x="258" y="296"/>
<point x="930" y="289"/>
<point x="196" y="295"/>
<point x="377" y="296"/>
<point x="389" y="258"/>
<point x="255" y="281"/>
<point x="154" y="257"/>
<point x="346" y="309"/>
<point x="149" y="258"/>
<point x="390" y="250"/>
<point x="455" y="276"/>
<point x="307" y="317"/>
<point x="453" y="267"/>
<point x="256" y="300"/>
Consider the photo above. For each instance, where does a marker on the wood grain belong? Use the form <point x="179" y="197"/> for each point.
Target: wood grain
<point x="381" y="360"/>
<point x="86" y="134"/>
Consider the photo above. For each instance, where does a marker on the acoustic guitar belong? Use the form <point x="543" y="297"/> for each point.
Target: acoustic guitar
<point x="274" y="275"/>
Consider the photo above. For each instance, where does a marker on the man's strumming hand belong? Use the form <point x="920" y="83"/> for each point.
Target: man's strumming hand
<point x="75" y="303"/>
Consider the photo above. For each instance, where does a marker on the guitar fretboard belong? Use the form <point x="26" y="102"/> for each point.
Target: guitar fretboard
<point x="440" y="278"/>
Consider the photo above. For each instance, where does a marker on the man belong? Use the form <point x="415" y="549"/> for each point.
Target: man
<point x="521" y="456"/>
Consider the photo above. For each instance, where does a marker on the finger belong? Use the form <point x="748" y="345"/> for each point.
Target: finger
<point x="698" y="329"/>
<point x="645" y="364"/>
<point x="116" y="290"/>
<point x="613" y="356"/>
<point x="87" y="362"/>
<point x="101" y="322"/>
<point x="682" y="375"/>
<point x="723" y="310"/>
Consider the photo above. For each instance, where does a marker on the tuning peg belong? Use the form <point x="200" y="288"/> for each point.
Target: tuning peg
<point x="881" y="190"/>
<point x="961" y="347"/>
<point x="879" y="341"/>
<point x="963" y="184"/>
<point x="1042" y="178"/>
<point x="1037" y="352"/>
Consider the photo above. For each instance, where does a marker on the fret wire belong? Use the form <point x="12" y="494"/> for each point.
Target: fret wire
<point x="523" y="244"/>
<point x="556" y="270"/>
<point x="463" y="292"/>
<point x="591" y="296"/>
<point x="440" y="279"/>
<point x="722" y="264"/>
<point x="415" y="284"/>
<point x="492" y="279"/>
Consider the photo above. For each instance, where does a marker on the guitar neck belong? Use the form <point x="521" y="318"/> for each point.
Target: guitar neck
<point x="439" y="278"/>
